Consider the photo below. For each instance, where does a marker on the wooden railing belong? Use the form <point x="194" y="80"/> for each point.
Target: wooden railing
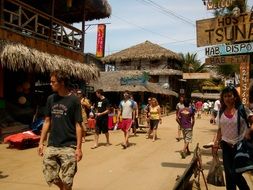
<point x="27" y="20"/>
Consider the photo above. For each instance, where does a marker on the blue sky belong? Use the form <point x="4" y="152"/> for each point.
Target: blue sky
<point x="135" y="21"/>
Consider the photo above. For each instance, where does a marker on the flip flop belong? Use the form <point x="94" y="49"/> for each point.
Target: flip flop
<point x="123" y="146"/>
<point x="93" y="147"/>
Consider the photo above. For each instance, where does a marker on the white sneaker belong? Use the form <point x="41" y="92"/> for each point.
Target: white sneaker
<point x="209" y="145"/>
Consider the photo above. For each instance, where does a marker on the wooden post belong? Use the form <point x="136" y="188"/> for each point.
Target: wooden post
<point x="83" y="28"/>
<point x="1" y="82"/>
<point x="1" y="12"/>
<point x="51" y="19"/>
<point x="244" y="81"/>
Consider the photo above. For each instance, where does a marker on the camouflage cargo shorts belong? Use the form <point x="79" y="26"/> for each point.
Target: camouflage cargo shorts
<point x="58" y="159"/>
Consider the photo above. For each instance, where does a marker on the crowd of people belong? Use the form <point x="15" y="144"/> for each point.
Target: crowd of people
<point x="68" y="115"/>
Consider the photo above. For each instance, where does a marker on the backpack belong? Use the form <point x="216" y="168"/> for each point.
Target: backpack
<point x="241" y="113"/>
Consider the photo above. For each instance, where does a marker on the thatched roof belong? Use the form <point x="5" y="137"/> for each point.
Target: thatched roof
<point x="146" y="50"/>
<point x="94" y="9"/>
<point x="110" y="82"/>
<point x="16" y="56"/>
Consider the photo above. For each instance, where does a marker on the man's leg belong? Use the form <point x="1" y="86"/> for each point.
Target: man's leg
<point x="96" y="136"/>
<point x="107" y="138"/>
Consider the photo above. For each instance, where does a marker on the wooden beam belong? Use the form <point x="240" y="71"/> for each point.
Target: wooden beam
<point x="41" y="45"/>
<point x="1" y="12"/>
<point x="1" y="82"/>
<point x="196" y="75"/>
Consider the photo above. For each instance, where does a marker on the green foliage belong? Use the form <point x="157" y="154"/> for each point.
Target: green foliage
<point x="190" y="63"/>
<point x="228" y="69"/>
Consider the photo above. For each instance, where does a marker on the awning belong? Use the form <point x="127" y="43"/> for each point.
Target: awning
<point x="15" y="56"/>
<point x="110" y="82"/>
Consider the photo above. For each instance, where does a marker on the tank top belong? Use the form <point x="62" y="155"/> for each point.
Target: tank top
<point x="154" y="115"/>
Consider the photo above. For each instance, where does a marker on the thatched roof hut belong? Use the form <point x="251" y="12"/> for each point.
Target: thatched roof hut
<point x="110" y="82"/>
<point x="146" y="50"/>
<point x="72" y="11"/>
<point x="15" y="56"/>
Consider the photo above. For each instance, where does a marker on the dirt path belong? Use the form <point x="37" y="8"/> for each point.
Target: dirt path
<point x="145" y="165"/>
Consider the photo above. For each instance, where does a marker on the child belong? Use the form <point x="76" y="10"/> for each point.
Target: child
<point x="91" y="121"/>
<point x="187" y="120"/>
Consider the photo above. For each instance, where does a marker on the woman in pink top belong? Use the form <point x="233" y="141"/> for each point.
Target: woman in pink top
<point x="229" y="134"/>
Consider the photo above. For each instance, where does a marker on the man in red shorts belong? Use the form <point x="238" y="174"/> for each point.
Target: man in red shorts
<point x="127" y="109"/>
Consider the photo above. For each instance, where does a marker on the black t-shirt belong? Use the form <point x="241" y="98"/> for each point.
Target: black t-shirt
<point x="64" y="112"/>
<point x="103" y="105"/>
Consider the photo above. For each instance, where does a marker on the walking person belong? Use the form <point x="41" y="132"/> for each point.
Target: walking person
<point x="232" y="128"/>
<point x="179" y="106"/>
<point x="146" y="110"/>
<point x="135" y="125"/>
<point x="127" y="109"/>
<point x="155" y="118"/>
<point x="199" y="107"/>
<point x="187" y="121"/>
<point x="216" y="109"/>
<point x="103" y="108"/>
<point x="86" y="106"/>
<point x="63" y="119"/>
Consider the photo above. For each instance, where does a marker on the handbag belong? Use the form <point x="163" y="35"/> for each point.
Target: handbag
<point x="215" y="173"/>
<point x="243" y="160"/>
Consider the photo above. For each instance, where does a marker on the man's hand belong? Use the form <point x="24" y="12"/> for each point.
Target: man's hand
<point x="78" y="155"/>
<point x="40" y="150"/>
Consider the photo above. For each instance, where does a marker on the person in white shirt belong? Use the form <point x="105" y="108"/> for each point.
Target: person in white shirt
<point x="127" y="109"/>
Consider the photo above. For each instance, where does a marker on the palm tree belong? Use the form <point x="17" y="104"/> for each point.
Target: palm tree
<point x="191" y="64"/>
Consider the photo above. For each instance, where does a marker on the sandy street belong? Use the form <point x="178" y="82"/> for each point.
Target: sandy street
<point x="145" y="165"/>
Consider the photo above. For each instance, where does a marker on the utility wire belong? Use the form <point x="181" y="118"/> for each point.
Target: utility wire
<point x="167" y="11"/>
<point x="144" y="29"/>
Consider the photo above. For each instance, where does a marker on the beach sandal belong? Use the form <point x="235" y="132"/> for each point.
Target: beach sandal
<point x="123" y="146"/>
<point x="93" y="147"/>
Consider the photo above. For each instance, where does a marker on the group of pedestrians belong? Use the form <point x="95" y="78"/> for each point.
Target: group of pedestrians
<point x="66" y="119"/>
<point x="234" y="125"/>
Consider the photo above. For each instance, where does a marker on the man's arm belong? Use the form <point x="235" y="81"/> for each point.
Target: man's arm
<point x="44" y="131"/>
<point x="78" y="152"/>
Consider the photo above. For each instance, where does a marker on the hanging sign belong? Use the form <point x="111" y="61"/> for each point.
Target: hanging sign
<point x="220" y="60"/>
<point x="101" y="40"/>
<point x="229" y="49"/>
<point x="244" y="82"/>
<point x="135" y="80"/>
<point x="210" y="4"/>
<point x="196" y="75"/>
<point x="226" y="29"/>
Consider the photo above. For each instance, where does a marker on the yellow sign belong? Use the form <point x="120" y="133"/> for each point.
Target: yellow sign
<point x="219" y="4"/>
<point x="227" y="29"/>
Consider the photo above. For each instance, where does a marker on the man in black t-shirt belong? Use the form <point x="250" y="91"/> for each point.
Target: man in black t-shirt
<point x="103" y="107"/>
<point x="64" y="147"/>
